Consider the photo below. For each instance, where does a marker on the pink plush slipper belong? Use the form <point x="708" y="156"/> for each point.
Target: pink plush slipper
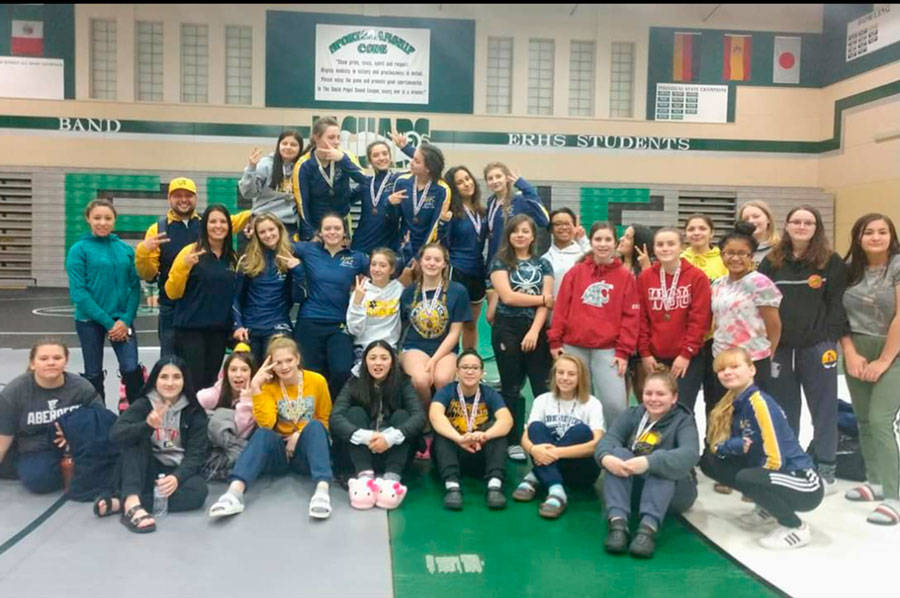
<point x="363" y="492"/>
<point x="390" y="493"/>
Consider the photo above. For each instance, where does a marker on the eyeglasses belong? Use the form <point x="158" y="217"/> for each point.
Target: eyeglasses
<point x="808" y="223"/>
<point x="729" y="254"/>
<point x="470" y="368"/>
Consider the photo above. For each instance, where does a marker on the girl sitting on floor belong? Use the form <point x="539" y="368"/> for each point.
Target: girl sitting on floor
<point x="378" y="416"/>
<point x="751" y="447"/>
<point x="562" y="431"/>
<point x="649" y="454"/>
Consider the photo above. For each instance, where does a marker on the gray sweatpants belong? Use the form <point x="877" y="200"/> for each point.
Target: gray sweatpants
<point x="608" y="385"/>
<point x="658" y="495"/>
<point x="815" y="369"/>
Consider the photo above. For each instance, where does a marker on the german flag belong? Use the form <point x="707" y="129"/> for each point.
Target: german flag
<point x="686" y="57"/>
<point x="736" y="58"/>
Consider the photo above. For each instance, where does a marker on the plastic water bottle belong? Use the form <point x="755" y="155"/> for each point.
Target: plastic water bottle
<point x="160" y="502"/>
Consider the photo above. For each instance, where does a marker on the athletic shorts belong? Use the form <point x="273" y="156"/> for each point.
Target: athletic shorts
<point x="475" y="286"/>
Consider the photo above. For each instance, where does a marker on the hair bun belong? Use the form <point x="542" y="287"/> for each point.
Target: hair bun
<point x="744" y="227"/>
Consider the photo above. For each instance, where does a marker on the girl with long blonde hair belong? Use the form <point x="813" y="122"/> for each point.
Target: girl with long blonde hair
<point x="267" y="281"/>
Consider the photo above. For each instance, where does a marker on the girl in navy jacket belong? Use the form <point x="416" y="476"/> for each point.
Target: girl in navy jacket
<point x="268" y="278"/>
<point x="422" y="197"/>
<point x="510" y="195"/>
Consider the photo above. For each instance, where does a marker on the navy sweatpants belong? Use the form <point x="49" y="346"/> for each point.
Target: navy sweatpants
<point x="571" y="472"/>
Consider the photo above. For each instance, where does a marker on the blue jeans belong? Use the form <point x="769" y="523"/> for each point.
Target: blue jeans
<point x="574" y="472"/>
<point x="165" y="327"/>
<point x="39" y="471"/>
<point x="93" y="336"/>
<point x="265" y="453"/>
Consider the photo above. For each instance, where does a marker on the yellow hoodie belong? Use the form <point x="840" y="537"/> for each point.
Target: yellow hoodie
<point x="710" y="262"/>
<point x="289" y="412"/>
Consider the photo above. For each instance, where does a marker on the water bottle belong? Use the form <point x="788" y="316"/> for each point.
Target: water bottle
<point x="160" y="502"/>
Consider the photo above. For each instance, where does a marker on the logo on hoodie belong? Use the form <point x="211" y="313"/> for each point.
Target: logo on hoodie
<point x="597" y="294"/>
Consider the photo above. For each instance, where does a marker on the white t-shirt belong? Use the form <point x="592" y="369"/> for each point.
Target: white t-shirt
<point x="559" y="415"/>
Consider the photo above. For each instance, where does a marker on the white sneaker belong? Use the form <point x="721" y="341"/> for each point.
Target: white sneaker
<point x="830" y="487"/>
<point x="757" y="519"/>
<point x="783" y="538"/>
<point x="516" y="453"/>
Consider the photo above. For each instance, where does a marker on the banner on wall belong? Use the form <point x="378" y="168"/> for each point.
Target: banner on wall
<point x="36" y="78"/>
<point x="692" y="103"/>
<point x="786" y="60"/>
<point x="873" y="31"/>
<point x="372" y="64"/>
<point x="686" y="57"/>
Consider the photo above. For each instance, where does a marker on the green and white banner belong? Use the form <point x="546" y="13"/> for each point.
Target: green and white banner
<point x="386" y="65"/>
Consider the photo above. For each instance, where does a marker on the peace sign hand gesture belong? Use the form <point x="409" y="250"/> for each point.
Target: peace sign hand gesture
<point x="290" y="261"/>
<point x="193" y="257"/>
<point x="153" y="243"/>
<point x="397" y="197"/>
<point x="263" y="375"/>
<point x="156" y="417"/>
<point x="255" y="155"/>
<point x="399" y="139"/>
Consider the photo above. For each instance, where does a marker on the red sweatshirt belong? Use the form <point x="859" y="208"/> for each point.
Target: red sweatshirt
<point x="689" y="321"/>
<point x="597" y="307"/>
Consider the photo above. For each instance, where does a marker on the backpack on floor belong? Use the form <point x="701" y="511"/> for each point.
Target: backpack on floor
<point x="849" y="460"/>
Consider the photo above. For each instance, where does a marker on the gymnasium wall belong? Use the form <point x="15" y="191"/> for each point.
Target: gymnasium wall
<point x="786" y="144"/>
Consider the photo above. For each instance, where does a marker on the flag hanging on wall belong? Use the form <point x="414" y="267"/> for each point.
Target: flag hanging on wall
<point x="786" y="60"/>
<point x="686" y="57"/>
<point x="27" y="30"/>
<point x="736" y="58"/>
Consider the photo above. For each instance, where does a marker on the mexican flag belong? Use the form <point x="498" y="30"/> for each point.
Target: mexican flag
<point x="27" y="30"/>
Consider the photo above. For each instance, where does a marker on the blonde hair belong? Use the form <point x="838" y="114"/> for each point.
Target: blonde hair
<point x="718" y="425"/>
<point x="510" y="192"/>
<point x="772" y="235"/>
<point x="253" y="262"/>
<point x="582" y="390"/>
<point x="283" y="341"/>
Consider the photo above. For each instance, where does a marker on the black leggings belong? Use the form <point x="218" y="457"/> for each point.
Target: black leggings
<point x="514" y="364"/>
<point x="393" y="460"/>
<point x="138" y="470"/>
<point x="203" y="351"/>
<point x="780" y="493"/>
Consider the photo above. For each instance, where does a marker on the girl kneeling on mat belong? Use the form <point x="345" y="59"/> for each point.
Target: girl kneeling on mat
<point x="291" y="407"/>
<point x="470" y="423"/>
<point x="649" y="454"/>
<point x="751" y="447"/>
<point x="562" y="431"/>
<point x="163" y="441"/>
<point x="377" y="416"/>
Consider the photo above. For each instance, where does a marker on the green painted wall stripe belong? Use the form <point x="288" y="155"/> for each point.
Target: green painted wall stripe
<point x="477" y="137"/>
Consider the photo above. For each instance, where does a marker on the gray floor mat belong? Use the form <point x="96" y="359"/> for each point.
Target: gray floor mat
<point x="273" y="548"/>
<point x="19" y="507"/>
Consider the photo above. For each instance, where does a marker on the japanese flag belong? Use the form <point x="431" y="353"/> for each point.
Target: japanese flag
<point x="786" y="60"/>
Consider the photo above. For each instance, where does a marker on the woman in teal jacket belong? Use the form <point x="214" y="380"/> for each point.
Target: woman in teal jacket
<point x="106" y="290"/>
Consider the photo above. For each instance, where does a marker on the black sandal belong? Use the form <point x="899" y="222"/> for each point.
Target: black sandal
<point x="133" y="524"/>
<point x="106" y="499"/>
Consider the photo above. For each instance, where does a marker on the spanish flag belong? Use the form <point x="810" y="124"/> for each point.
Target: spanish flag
<point x="736" y="58"/>
<point x="686" y="57"/>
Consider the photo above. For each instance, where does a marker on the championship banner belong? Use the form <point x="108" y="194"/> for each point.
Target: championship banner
<point x="372" y="64"/>
<point x="876" y="30"/>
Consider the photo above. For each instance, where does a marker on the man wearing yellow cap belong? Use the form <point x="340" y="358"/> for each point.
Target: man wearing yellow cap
<point x="164" y="239"/>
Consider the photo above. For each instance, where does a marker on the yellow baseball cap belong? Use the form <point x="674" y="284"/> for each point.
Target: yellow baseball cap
<point x="182" y="183"/>
<point x="242" y="348"/>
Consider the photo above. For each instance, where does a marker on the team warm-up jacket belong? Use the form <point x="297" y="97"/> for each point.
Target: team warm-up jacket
<point x="264" y="301"/>
<point x="422" y="228"/>
<point x="315" y="197"/>
<point x="689" y="319"/>
<point x="380" y="228"/>
<point x="149" y="264"/>
<point x="526" y="202"/>
<point x="597" y="308"/>
<point x="132" y="427"/>
<point x="204" y="292"/>
<point x="103" y="283"/>
<point x="329" y="280"/>
<point x="465" y="243"/>
<point x="811" y="308"/>
<point x="773" y="445"/>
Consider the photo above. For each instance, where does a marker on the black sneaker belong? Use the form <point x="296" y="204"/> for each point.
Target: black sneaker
<point x="617" y="537"/>
<point x="644" y="542"/>
<point x="495" y="498"/>
<point x="453" y="499"/>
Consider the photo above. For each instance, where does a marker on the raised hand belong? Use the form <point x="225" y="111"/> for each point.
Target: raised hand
<point x="512" y="178"/>
<point x="194" y="256"/>
<point x="331" y="154"/>
<point x="153" y="243"/>
<point x="263" y="375"/>
<point x="399" y="139"/>
<point x="643" y="256"/>
<point x="156" y="417"/>
<point x="255" y="155"/>
<point x="397" y="197"/>
<point x="290" y="261"/>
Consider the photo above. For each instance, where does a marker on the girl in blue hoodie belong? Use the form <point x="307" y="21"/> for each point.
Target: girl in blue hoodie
<point x="105" y="289"/>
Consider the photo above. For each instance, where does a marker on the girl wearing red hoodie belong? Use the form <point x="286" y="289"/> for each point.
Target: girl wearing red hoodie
<point x="675" y="315"/>
<point x="596" y="318"/>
